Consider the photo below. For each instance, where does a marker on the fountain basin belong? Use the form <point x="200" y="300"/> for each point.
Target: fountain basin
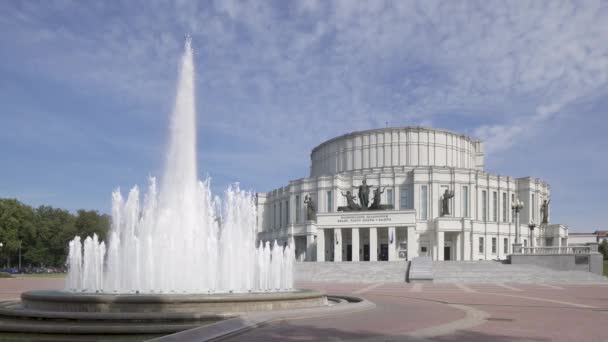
<point x="63" y="301"/>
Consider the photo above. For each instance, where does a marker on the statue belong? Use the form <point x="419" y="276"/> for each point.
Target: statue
<point x="377" y="198"/>
<point x="445" y="201"/>
<point x="310" y="208"/>
<point x="544" y="209"/>
<point x="350" y="200"/>
<point x="364" y="195"/>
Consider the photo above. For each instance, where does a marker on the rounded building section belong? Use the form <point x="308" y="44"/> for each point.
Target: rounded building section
<point x="396" y="147"/>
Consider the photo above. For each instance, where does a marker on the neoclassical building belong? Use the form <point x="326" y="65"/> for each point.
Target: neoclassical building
<point x="413" y="166"/>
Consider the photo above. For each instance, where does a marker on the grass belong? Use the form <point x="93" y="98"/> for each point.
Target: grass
<point x="41" y="275"/>
<point x="606" y="268"/>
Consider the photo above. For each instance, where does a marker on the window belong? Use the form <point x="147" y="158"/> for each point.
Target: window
<point x="465" y="201"/>
<point x="484" y="205"/>
<point x="404" y="198"/>
<point x="504" y="207"/>
<point x="533" y="208"/>
<point x="329" y="202"/>
<point x="280" y="214"/>
<point x="423" y="202"/>
<point x="493" y="245"/>
<point x="298" y="208"/>
<point x="287" y="213"/>
<point x="525" y="243"/>
<point x="389" y="196"/>
<point x="494" y="206"/>
<point x="480" y="244"/>
<point x="505" y="246"/>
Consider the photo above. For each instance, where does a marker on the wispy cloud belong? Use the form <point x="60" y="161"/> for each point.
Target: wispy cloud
<point x="276" y="78"/>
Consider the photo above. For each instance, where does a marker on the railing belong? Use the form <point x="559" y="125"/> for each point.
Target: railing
<point x="556" y="250"/>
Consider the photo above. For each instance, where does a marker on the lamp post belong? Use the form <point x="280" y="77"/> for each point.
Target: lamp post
<point x="19" y="256"/>
<point x="517" y="206"/>
<point x="532" y="225"/>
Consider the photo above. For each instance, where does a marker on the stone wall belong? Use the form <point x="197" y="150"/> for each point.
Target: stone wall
<point x="563" y="262"/>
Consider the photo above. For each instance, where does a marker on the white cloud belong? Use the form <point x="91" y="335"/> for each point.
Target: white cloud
<point x="277" y="75"/>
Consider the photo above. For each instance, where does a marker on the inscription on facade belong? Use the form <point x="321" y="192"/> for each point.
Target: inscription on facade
<point x="371" y="218"/>
<point x="386" y="218"/>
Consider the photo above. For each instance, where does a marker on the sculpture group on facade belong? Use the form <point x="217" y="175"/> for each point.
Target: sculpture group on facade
<point x="363" y="197"/>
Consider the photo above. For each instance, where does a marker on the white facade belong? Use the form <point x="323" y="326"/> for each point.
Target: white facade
<point x="415" y="165"/>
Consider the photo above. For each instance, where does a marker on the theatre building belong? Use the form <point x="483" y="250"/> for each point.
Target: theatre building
<point x="426" y="193"/>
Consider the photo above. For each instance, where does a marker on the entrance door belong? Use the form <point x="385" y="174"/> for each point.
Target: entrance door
<point x="365" y="252"/>
<point x="383" y="252"/>
<point x="349" y="253"/>
<point x="446" y="253"/>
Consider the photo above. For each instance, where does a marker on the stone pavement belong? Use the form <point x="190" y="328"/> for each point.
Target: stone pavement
<point x="433" y="312"/>
<point x="454" y="312"/>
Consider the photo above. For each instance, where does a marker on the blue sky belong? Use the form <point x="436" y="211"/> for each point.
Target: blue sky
<point x="86" y="88"/>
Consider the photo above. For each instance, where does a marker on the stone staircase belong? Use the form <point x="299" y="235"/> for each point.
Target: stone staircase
<point x="498" y="272"/>
<point x="352" y="272"/>
<point x="421" y="270"/>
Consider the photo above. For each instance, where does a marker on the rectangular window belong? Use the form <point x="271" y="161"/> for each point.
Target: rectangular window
<point x="298" y="208"/>
<point x="274" y="216"/>
<point x="423" y="202"/>
<point x="504" y="207"/>
<point x="533" y="208"/>
<point x="465" y="201"/>
<point x="389" y="196"/>
<point x="480" y="244"/>
<point x="493" y="245"/>
<point x="525" y="243"/>
<point x="505" y="247"/>
<point x="494" y="206"/>
<point x="280" y="214"/>
<point x="404" y="198"/>
<point x="484" y="205"/>
<point x="512" y="211"/>
<point x="329" y="201"/>
<point x="287" y="213"/>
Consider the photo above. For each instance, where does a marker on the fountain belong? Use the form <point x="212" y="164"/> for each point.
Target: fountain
<point x="180" y="259"/>
<point x="174" y="242"/>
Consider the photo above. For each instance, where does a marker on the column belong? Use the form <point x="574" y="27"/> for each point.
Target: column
<point x="412" y="243"/>
<point x="458" y="247"/>
<point x="392" y="242"/>
<point x="440" y="244"/>
<point x="373" y="244"/>
<point x="355" y="243"/>
<point x="320" y="245"/>
<point x="337" y="245"/>
<point x="310" y="246"/>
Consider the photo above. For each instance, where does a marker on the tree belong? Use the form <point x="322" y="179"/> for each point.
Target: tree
<point x="43" y="234"/>
<point x="16" y="225"/>
<point x="603" y="248"/>
<point x="89" y="222"/>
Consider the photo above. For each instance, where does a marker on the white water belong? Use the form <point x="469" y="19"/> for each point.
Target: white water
<point x="174" y="241"/>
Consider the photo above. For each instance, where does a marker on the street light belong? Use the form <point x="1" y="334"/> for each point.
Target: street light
<point x="517" y="206"/>
<point x="532" y="225"/>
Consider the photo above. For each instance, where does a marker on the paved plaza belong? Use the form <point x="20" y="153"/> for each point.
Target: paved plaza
<point x="438" y="312"/>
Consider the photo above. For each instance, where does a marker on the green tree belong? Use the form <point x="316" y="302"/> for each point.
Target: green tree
<point x="603" y="248"/>
<point x="89" y="222"/>
<point x="54" y="229"/>
<point x="16" y="225"/>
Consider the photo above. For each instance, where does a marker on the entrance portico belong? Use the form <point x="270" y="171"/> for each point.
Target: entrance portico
<point x="366" y="236"/>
